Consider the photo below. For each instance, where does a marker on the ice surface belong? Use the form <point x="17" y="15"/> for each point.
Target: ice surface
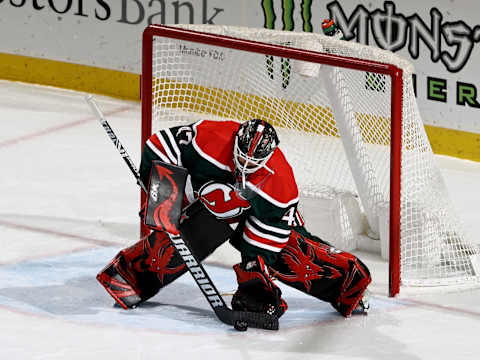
<point x="68" y="204"/>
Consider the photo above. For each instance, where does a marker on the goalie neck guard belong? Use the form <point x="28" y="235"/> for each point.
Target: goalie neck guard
<point x="255" y="143"/>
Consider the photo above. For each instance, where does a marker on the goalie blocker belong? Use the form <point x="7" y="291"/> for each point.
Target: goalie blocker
<point x="307" y="263"/>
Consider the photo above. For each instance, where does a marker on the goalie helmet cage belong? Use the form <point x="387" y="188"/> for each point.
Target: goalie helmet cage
<point x="348" y="122"/>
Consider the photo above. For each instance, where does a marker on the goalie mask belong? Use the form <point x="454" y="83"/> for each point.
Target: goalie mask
<point x="255" y="143"/>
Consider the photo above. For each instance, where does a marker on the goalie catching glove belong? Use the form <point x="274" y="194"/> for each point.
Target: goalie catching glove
<point x="256" y="291"/>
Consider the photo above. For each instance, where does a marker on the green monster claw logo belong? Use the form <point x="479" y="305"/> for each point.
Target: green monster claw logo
<point x="288" y="7"/>
<point x="374" y="82"/>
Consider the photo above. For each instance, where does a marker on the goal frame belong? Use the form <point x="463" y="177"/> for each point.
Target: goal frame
<point x="395" y="73"/>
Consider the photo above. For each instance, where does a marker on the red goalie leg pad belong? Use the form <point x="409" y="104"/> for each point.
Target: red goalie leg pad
<point x="318" y="269"/>
<point x="143" y="269"/>
<point x="117" y="286"/>
<point x="356" y="281"/>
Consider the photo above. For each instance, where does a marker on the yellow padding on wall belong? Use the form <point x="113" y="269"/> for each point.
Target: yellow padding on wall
<point x="71" y="76"/>
<point x="307" y="117"/>
<point x="242" y="106"/>
<point x="460" y="144"/>
<point x="125" y="85"/>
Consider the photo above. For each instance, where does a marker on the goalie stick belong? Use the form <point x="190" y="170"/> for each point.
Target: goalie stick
<point x="239" y="319"/>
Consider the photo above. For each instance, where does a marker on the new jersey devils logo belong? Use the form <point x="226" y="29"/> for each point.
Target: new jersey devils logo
<point x="222" y="200"/>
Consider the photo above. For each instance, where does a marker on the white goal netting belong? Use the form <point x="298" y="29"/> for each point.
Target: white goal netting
<point x="334" y="127"/>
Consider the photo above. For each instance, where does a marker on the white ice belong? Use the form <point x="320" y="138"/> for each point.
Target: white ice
<point x="68" y="204"/>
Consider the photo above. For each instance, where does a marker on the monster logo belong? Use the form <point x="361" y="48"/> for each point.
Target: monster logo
<point x="288" y="7"/>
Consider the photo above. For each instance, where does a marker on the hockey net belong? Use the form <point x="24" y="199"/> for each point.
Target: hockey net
<point x="348" y="123"/>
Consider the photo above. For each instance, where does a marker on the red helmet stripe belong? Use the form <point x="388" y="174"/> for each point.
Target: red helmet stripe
<point x="256" y="139"/>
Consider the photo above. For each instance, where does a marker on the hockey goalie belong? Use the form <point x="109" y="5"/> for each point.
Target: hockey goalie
<point x="240" y="188"/>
